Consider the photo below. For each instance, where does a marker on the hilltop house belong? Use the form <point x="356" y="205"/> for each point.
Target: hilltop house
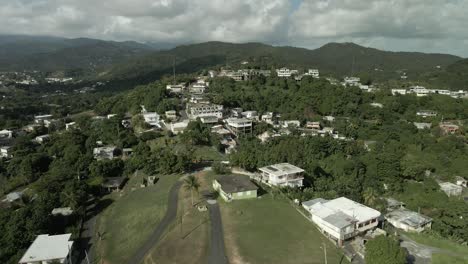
<point x="313" y="72"/>
<point x="239" y="126"/>
<point x="152" y="119"/>
<point x="460" y="181"/>
<point x="399" y="91"/>
<point x="101" y="153"/>
<point x="313" y="125"/>
<point x="114" y="183"/>
<point x="448" y="128"/>
<point x="39" y="119"/>
<point x="200" y="110"/>
<point x="175" y="88"/>
<point x="49" y="249"/>
<point x="70" y="125"/>
<point x="426" y="113"/>
<point x="171" y="115"/>
<point x="253" y="115"/>
<point x="267" y="118"/>
<point x="451" y="189"/>
<point x="235" y="187"/>
<point x="179" y="127"/>
<point x="282" y="175"/>
<point x="422" y="125"/>
<point x="285" y="72"/>
<point x="6" y="133"/>
<point x="5" y="152"/>
<point x="341" y="218"/>
<point x="42" y="139"/>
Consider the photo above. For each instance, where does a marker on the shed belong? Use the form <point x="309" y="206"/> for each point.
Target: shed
<point x="235" y="187"/>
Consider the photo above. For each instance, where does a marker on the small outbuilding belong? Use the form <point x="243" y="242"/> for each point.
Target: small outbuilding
<point x="451" y="189"/>
<point x="114" y="183"/>
<point x="235" y="187"/>
<point x="408" y="221"/>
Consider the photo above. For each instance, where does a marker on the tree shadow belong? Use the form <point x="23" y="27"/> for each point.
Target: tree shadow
<point x="195" y="228"/>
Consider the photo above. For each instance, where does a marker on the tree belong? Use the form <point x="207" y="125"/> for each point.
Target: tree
<point x="385" y="250"/>
<point x="191" y="183"/>
<point x="370" y="196"/>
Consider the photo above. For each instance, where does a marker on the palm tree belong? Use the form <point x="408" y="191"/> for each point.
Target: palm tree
<point x="370" y="196"/>
<point x="191" y="183"/>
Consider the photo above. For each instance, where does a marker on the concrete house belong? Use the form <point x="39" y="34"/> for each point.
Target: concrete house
<point x="5" y="152"/>
<point x="70" y="125"/>
<point x="282" y="175"/>
<point x="195" y="111"/>
<point x="408" y="221"/>
<point x="5" y="133"/>
<point x="341" y="218"/>
<point x="175" y="88"/>
<point x="235" y="187"/>
<point x="426" y="113"/>
<point x="239" y="126"/>
<point x="152" y="119"/>
<point x="285" y="72"/>
<point x="313" y="72"/>
<point x="114" y="183"/>
<point x="101" y="153"/>
<point x="171" y="115"/>
<point x="179" y="127"/>
<point x="49" y="249"/>
<point x="460" y="181"/>
<point x="42" y="139"/>
<point x="422" y="126"/>
<point x="267" y="118"/>
<point x="451" y="189"/>
<point x="448" y="128"/>
<point x="39" y="119"/>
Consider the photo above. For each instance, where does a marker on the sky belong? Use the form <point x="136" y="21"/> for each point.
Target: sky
<point x="438" y="26"/>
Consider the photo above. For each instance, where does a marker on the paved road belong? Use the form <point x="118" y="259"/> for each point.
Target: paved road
<point x="87" y="234"/>
<point x="171" y="213"/>
<point x="217" y="254"/>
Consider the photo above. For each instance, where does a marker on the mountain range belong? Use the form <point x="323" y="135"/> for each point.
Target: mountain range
<point x="139" y="62"/>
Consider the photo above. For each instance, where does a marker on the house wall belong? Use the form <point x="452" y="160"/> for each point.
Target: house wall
<point x="408" y="228"/>
<point x="233" y="196"/>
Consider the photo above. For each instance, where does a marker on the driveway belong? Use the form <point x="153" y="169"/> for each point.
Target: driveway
<point x="217" y="253"/>
<point x="171" y="213"/>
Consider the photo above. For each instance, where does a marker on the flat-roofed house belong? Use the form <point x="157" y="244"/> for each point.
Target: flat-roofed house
<point x="239" y="126"/>
<point x="5" y="133"/>
<point x="195" y="111"/>
<point x="422" y="125"/>
<point x="179" y="127"/>
<point x="5" y="152"/>
<point x="282" y="175"/>
<point x="235" y="187"/>
<point x="101" y="153"/>
<point x="341" y="218"/>
<point x="49" y="249"/>
<point x="39" y="119"/>
<point x="448" y="128"/>
<point x="408" y="220"/>
<point x="451" y="189"/>
<point x="426" y="113"/>
<point x="460" y="181"/>
<point x="152" y="118"/>
<point x="175" y="88"/>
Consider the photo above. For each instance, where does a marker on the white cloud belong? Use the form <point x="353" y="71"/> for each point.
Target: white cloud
<point x="426" y="25"/>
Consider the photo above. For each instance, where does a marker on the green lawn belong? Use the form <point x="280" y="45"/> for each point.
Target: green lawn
<point x="131" y="218"/>
<point x="208" y="153"/>
<point x="444" y="259"/>
<point x="268" y="230"/>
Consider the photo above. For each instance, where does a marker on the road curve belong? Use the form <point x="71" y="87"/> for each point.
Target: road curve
<point x="171" y="213"/>
<point x="217" y="252"/>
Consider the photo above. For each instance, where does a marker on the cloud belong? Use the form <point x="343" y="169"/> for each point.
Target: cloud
<point x="426" y="25"/>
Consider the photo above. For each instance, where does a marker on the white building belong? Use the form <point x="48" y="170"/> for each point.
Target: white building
<point x="422" y="126"/>
<point x="107" y="152"/>
<point x="408" y="220"/>
<point x="460" y="181"/>
<point x="152" y="118"/>
<point x="175" y="88"/>
<point x="282" y="175"/>
<point x="352" y="81"/>
<point x="5" y="152"/>
<point x="171" y="115"/>
<point x="285" y="72"/>
<point x="419" y="91"/>
<point x="179" y="127"/>
<point x="290" y="123"/>
<point x="49" y="249"/>
<point x="200" y="110"/>
<point x="42" y="139"/>
<point x="39" y="119"/>
<point x="250" y="115"/>
<point x="267" y="118"/>
<point x="239" y="126"/>
<point x="399" y="91"/>
<point x="451" y="189"/>
<point x="5" y="133"/>
<point x="197" y="88"/>
<point x="426" y="113"/>
<point x="341" y="218"/>
<point x="313" y="72"/>
<point x="70" y="125"/>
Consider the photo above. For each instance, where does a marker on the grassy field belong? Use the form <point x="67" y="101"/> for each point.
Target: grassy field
<point x="460" y="252"/>
<point x="131" y="218"/>
<point x="268" y="230"/>
<point x="187" y="243"/>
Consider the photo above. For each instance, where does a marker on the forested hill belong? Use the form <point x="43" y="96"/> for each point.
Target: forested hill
<point x="18" y="53"/>
<point x="333" y="58"/>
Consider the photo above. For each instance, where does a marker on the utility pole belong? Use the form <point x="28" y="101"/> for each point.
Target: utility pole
<point x="325" y="252"/>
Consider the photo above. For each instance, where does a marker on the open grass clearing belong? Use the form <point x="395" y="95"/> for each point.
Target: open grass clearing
<point x="268" y="230"/>
<point x="134" y="213"/>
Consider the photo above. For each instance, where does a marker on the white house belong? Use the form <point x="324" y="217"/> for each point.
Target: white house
<point x="70" y="125"/>
<point x="175" y="88"/>
<point x="107" y="152"/>
<point x="419" y="91"/>
<point x="171" y="114"/>
<point x="5" y="152"/>
<point x="341" y="218"/>
<point x="197" y="88"/>
<point x="290" y="123"/>
<point x="239" y="125"/>
<point x="399" y="91"/>
<point x="267" y="117"/>
<point x="5" y="133"/>
<point x="49" y="249"/>
<point x="460" y="181"/>
<point x="250" y="115"/>
<point x="450" y="189"/>
<point x="426" y="113"/>
<point x="408" y="220"/>
<point x="282" y="175"/>
<point x="152" y="118"/>
<point x="422" y="125"/>
<point x="285" y="72"/>
<point x="179" y="127"/>
<point x="39" y="119"/>
<point x="42" y="139"/>
<point x="352" y="81"/>
<point x="200" y="110"/>
<point x="313" y="72"/>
